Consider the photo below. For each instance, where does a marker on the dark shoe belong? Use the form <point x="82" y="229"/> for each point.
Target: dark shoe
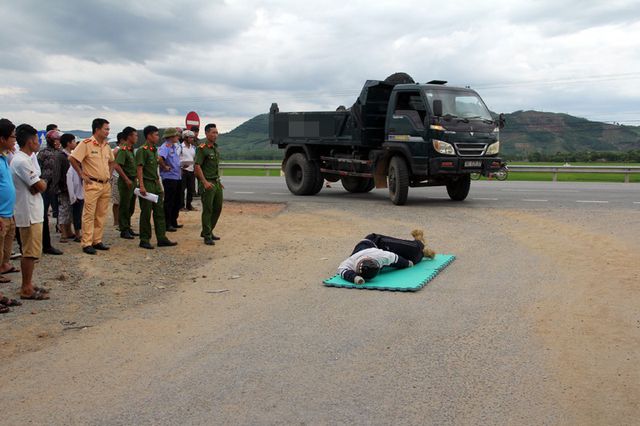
<point x="209" y="241"/>
<point x="166" y="243"/>
<point x="100" y="246"/>
<point x="215" y="238"/>
<point x="77" y="240"/>
<point x="171" y="229"/>
<point x="89" y="250"/>
<point x="146" y="245"/>
<point x="178" y="226"/>
<point x="126" y="235"/>
<point x="132" y="232"/>
<point x="52" y="250"/>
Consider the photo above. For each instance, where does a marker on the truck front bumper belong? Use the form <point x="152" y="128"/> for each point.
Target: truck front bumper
<point x="463" y="165"/>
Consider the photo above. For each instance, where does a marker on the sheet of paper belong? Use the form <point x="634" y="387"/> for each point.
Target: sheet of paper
<point x="151" y="197"/>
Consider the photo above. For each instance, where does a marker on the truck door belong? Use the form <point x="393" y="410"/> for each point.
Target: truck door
<point x="407" y="117"/>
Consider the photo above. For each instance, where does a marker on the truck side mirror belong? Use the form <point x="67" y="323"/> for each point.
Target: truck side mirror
<point x="437" y="107"/>
<point x="501" y="121"/>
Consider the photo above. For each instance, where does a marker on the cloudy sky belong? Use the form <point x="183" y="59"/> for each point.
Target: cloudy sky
<point x="150" y="61"/>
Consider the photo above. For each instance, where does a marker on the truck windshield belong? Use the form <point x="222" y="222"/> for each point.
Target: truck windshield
<point x="464" y="104"/>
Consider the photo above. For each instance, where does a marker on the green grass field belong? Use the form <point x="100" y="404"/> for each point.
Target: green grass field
<point x="521" y="176"/>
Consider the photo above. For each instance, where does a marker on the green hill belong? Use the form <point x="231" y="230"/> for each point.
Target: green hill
<point x="527" y="134"/>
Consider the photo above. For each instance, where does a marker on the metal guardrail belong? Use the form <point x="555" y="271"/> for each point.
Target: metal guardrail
<point x="626" y="170"/>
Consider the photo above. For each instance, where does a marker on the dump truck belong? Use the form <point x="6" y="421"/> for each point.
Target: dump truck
<point x="398" y="134"/>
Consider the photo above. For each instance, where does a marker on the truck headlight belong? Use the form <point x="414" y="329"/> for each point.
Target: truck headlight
<point x="443" y="147"/>
<point x="494" y="148"/>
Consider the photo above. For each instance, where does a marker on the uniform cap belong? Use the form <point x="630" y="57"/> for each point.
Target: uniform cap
<point x="170" y="132"/>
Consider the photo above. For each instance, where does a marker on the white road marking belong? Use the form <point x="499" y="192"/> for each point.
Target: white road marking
<point x="278" y="193"/>
<point x="539" y="190"/>
<point x="486" y="199"/>
<point x="241" y="192"/>
<point x="591" y="201"/>
<point x="534" y="201"/>
<point x="636" y="202"/>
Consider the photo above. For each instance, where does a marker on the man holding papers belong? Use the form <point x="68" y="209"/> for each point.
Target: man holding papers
<point x="147" y="163"/>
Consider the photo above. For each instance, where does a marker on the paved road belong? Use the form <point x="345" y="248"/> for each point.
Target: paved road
<point x="508" y="194"/>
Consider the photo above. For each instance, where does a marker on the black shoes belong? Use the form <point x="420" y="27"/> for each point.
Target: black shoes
<point x="146" y="245"/>
<point x="135" y="234"/>
<point x="178" y="226"/>
<point x="52" y="250"/>
<point x="171" y="229"/>
<point x="127" y="235"/>
<point x="209" y="241"/>
<point x="166" y="243"/>
<point x="100" y="246"/>
<point x="89" y="250"/>
<point x="214" y="237"/>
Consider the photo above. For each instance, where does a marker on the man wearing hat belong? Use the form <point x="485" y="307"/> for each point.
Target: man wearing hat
<point x="47" y="160"/>
<point x="147" y="168"/>
<point x="169" y="160"/>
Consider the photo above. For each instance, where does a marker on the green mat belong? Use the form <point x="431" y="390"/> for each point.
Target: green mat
<point x="409" y="279"/>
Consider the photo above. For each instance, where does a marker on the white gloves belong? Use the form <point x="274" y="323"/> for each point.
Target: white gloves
<point x="358" y="280"/>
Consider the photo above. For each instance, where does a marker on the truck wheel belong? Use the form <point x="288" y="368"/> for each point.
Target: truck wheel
<point x="398" y="180"/>
<point x="357" y="185"/>
<point x="300" y="174"/>
<point x="319" y="180"/>
<point x="459" y="189"/>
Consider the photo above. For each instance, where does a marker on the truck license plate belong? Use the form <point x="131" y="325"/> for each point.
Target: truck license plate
<point x="472" y="163"/>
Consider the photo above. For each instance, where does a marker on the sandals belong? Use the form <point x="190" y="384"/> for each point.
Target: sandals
<point x="4" y="280"/>
<point x="10" y="302"/>
<point x="11" y="271"/>
<point x="4" y="309"/>
<point x="38" y="294"/>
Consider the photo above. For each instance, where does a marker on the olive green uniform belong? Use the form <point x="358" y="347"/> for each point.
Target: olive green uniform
<point x="147" y="157"/>
<point x="208" y="158"/>
<point x="127" y="162"/>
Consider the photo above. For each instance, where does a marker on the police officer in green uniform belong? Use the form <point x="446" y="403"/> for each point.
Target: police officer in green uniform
<point x="125" y="165"/>
<point x="207" y="162"/>
<point x="147" y="162"/>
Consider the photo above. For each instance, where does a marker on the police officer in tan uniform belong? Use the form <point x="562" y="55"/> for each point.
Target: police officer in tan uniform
<point x="93" y="160"/>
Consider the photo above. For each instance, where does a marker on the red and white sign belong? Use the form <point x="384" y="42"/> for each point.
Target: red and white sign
<point x="192" y="120"/>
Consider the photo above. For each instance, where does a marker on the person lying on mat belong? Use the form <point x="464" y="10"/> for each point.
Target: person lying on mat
<point x="375" y="251"/>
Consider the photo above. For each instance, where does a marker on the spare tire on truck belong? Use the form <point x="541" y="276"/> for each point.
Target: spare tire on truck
<point x="458" y="188"/>
<point x="301" y="175"/>
<point x="399" y="78"/>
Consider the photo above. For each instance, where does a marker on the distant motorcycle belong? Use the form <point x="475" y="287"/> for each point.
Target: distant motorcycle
<point x="501" y="174"/>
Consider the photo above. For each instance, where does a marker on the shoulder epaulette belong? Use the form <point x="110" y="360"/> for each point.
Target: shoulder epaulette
<point x="87" y="140"/>
<point x="201" y="146"/>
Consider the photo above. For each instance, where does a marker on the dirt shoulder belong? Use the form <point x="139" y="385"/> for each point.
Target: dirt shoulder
<point x="88" y="290"/>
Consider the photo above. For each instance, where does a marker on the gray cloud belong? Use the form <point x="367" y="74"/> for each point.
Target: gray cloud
<point x="144" y="60"/>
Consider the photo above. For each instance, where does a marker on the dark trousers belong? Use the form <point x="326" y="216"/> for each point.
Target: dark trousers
<point x="146" y="209"/>
<point x="171" y="201"/>
<point x="211" y="208"/>
<point x="409" y="249"/>
<point x="47" y="199"/>
<point x="189" y="185"/>
<point x="127" y="203"/>
<point x="77" y="214"/>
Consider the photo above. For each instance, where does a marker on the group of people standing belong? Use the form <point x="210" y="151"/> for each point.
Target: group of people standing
<point x="76" y="180"/>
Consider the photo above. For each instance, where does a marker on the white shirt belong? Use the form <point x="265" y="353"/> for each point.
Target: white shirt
<point x="384" y="258"/>
<point x="187" y="156"/>
<point x="29" y="207"/>
<point x="74" y="185"/>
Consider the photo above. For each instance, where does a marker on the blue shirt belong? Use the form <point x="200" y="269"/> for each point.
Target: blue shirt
<point x="7" y="189"/>
<point x="171" y="156"/>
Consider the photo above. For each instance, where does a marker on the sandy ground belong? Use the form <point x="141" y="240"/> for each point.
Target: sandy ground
<point x="556" y="315"/>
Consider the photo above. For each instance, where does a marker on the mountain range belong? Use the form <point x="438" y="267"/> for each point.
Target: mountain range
<point x="526" y="132"/>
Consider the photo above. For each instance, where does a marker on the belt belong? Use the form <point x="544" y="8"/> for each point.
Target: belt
<point x="98" y="180"/>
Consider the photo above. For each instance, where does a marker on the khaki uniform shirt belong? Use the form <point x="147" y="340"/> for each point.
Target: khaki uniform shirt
<point x="94" y="158"/>
<point x="208" y="158"/>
